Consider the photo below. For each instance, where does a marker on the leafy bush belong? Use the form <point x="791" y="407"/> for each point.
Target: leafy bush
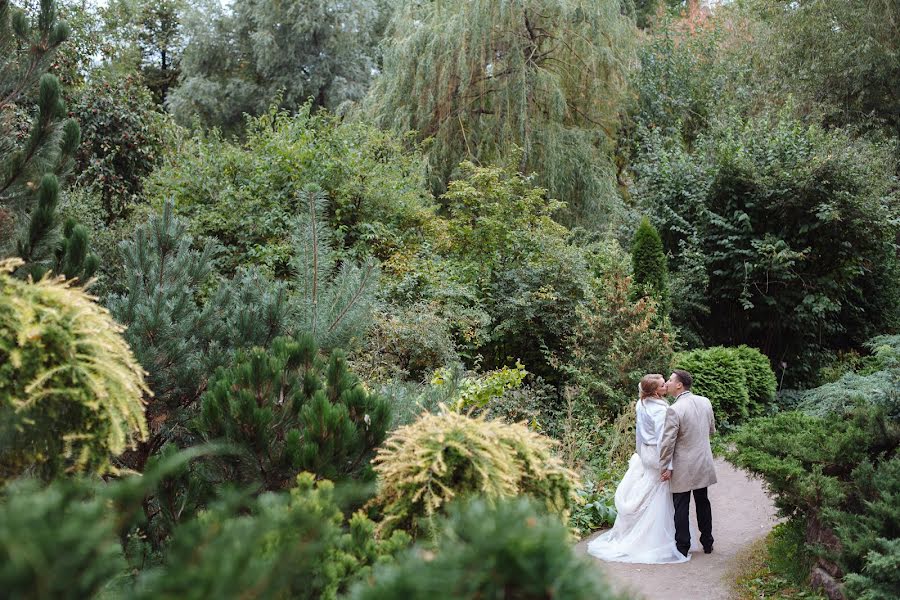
<point x="761" y="383"/>
<point x="477" y="392"/>
<point x="720" y="376"/>
<point x="487" y="550"/>
<point x="808" y="280"/>
<point x="247" y="195"/>
<point x="520" y="269"/>
<point x="596" y="508"/>
<point x="441" y="457"/>
<point x="122" y="140"/>
<point x="71" y="392"/>
<point x="405" y="342"/>
<point x="286" y="411"/>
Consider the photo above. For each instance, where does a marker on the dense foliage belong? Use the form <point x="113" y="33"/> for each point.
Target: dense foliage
<point x="738" y="381"/>
<point x="285" y="411"/>
<point x="512" y="550"/>
<point x="248" y="195"/>
<point x="785" y="221"/>
<point x="121" y="142"/>
<point x="241" y="59"/>
<point x="452" y="235"/>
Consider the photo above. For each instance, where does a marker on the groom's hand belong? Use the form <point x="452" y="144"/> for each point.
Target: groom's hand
<point x="666" y="475"/>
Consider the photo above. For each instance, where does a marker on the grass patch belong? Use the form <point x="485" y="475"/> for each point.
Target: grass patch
<point x="757" y="572"/>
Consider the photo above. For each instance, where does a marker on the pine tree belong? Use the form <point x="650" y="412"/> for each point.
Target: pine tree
<point x="651" y="274"/>
<point x="334" y="302"/>
<point x="483" y="77"/>
<point x="35" y="152"/>
<point x="168" y="328"/>
<point x="178" y="337"/>
<point x="286" y="411"/>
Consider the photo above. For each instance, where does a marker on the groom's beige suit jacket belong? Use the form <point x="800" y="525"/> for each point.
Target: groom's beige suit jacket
<point x="685" y="443"/>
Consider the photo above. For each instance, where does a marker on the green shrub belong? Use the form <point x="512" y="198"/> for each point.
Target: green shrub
<point x="616" y="339"/>
<point x="286" y="411"/>
<point x="792" y="225"/>
<point x="761" y="382"/>
<point x="71" y="392"/>
<point x="648" y="259"/>
<point x="874" y="383"/>
<point x="442" y="457"/>
<point x="720" y="376"/>
<point x="840" y="477"/>
<point x="122" y="139"/>
<point x="880" y="578"/>
<point x="296" y="545"/>
<point x="483" y="550"/>
<point x="247" y="194"/>
<point x="56" y="543"/>
<point x="869" y="524"/>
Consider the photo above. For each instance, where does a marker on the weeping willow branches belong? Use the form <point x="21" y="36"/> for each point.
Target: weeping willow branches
<point x="540" y="82"/>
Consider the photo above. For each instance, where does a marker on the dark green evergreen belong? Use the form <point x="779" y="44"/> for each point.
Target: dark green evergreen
<point x="510" y="550"/>
<point x="648" y="260"/>
<point x="37" y="143"/>
<point x="719" y="375"/>
<point x="288" y="411"/>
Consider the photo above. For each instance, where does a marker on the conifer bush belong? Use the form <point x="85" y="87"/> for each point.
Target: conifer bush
<point x="286" y="545"/>
<point x="71" y="392"/>
<point x="648" y="259"/>
<point x="507" y="549"/>
<point x="720" y="376"/>
<point x="447" y="456"/>
<point x="56" y="543"/>
<point x="838" y="478"/>
<point x="287" y="411"/>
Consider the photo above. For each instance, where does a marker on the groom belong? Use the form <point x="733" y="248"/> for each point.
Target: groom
<point x="685" y="458"/>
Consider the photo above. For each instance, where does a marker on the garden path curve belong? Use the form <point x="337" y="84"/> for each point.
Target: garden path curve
<point x="742" y="513"/>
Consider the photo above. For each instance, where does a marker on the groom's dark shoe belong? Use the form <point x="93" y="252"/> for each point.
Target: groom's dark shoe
<point x="685" y="551"/>
<point x="707" y="549"/>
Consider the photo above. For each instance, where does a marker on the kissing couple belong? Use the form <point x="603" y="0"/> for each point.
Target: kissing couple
<point x="672" y="459"/>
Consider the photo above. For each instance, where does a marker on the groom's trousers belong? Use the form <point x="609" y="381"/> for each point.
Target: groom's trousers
<point x="682" y="522"/>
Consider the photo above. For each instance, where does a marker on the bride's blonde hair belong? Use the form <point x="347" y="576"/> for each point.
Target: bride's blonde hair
<point x="649" y="384"/>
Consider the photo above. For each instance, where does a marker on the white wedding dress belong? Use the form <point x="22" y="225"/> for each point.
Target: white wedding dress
<point x="644" y="531"/>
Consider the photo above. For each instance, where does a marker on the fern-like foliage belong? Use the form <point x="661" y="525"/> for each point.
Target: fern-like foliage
<point x="71" y="391"/>
<point x="334" y="298"/>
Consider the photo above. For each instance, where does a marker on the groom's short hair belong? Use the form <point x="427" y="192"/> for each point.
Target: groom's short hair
<point x="684" y="377"/>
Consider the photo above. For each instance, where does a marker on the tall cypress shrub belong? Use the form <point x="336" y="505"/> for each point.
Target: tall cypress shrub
<point x="648" y="260"/>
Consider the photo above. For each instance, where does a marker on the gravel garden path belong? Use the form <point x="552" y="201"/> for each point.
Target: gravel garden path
<point x="742" y="513"/>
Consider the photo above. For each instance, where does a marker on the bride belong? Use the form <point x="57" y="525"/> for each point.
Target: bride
<point x="644" y="531"/>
